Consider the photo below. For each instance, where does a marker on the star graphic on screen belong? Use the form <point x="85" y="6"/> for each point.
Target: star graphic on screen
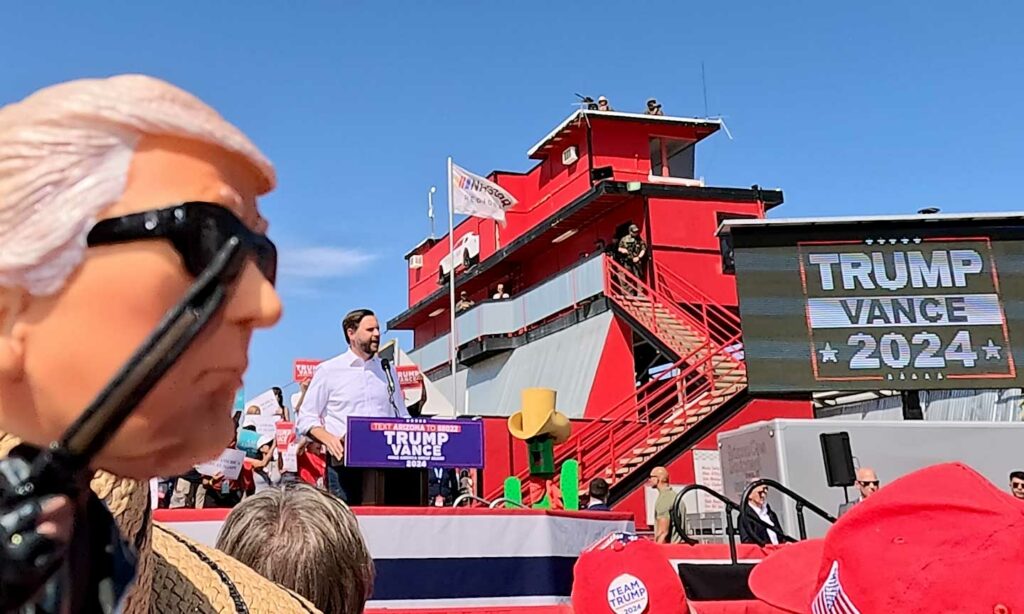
<point x="992" y="351"/>
<point x="828" y="354"/>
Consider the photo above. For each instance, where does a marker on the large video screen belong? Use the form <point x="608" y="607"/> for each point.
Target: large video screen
<point x="869" y="307"/>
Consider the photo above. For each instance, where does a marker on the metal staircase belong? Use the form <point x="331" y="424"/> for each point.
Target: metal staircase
<point x="703" y="338"/>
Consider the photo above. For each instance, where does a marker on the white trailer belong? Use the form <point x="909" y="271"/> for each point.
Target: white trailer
<point x="789" y="451"/>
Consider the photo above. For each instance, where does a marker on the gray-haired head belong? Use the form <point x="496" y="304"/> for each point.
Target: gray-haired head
<point x="306" y="540"/>
<point x="65" y="152"/>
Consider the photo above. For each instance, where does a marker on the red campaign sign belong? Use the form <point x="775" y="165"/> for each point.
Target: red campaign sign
<point x="303" y="368"/>
<point x="409" y="376"/>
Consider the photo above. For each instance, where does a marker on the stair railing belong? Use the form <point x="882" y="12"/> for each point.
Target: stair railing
<point x="458" y="500"/>
<point x="680" y="525"/>
<point x="801" y="503"/>
<point x="630" y="409"/>
<point x="506" y="501"/>
<point x="704" y="320"/>
<point x="721" y="321"/>
<point x="700" y="373"/>
<point x="730" y="528"/>
<point x="609" y="444"/>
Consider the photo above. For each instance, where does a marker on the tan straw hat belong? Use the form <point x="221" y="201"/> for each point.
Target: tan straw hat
<point x="538" y="416"/>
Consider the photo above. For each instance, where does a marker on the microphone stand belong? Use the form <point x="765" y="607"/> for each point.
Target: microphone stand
<point x="386" y="365"/>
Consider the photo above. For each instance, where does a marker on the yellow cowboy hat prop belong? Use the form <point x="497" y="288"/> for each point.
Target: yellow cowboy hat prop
<point x="538" y="416"/>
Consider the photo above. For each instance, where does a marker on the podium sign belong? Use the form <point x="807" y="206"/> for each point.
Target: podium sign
<point x="395" y="443"/>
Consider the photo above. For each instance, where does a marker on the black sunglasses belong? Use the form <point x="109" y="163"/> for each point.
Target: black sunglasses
<point x="197" y="230"/>
<point x="868" y="482"/>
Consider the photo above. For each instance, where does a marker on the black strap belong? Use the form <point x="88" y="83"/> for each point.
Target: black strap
<point x="240" y="606"/>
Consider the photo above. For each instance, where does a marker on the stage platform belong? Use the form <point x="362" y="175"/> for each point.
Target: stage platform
<point x="452" y="560"/>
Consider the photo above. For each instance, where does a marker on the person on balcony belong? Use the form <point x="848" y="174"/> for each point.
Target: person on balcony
<point x="499" y="293"/>
<point x="464" y="302"/>
<point x="632" y="251"/>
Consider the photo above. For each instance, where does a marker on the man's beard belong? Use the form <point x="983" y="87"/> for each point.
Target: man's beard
<point x="369" y="347"/>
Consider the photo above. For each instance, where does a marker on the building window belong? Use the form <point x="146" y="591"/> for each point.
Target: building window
<point x="725" y="241"/>
<point x="672" y="158"/>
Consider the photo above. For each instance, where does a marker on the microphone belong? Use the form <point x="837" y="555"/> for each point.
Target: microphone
<point x="386" y="365"/>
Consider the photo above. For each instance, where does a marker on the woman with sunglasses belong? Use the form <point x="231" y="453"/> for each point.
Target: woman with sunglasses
<point x="119" y="199"/>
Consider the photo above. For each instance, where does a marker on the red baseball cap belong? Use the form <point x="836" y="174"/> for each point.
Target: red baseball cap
<point x="627" y="577"/>
<point x="942" y="539"/>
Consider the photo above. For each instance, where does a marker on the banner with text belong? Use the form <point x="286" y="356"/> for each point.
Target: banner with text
<point x="473" y="195"/>
<point x="228" y="464"/>
<point x="303" y="368"/>
<point x="409" y="377"/>
<point x="386" y="443"/>
<point x="905" y="304"/>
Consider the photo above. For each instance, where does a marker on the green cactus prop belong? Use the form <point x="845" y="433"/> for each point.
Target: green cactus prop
<point x="570" y="485"/>
<point x="513" y="492"/>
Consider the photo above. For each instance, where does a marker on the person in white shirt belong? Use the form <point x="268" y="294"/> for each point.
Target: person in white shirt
<point x="352" y="384"/>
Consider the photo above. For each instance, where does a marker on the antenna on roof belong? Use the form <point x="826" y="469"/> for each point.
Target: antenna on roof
<point x="720" y="118"/>
<point x="704" y="85"/>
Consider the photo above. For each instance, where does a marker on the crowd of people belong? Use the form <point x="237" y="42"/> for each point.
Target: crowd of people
<point x="174" y="188"/>
<point x="351" y="384"/>
<point x="652" y="106"/>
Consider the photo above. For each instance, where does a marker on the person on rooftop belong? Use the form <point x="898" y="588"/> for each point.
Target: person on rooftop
<point x="653" y="107"/>
<point x="602" y="104"/>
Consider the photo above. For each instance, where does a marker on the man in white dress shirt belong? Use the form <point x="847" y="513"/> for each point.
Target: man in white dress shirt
<point x="352" y="384"/>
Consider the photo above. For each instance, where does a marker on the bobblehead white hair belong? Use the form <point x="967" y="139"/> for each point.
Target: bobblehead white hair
<point x="65" y="152"/>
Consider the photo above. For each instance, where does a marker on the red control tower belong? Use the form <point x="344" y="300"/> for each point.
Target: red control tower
<point x="648" y="366"/>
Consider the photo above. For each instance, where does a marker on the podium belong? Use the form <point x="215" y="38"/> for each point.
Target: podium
<point x="394" y="487"/>
<point x="395" y="454"/>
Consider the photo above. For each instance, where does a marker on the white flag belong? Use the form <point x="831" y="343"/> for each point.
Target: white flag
<point x="476" y="196"/>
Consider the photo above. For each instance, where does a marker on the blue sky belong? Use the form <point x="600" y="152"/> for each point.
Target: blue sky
<point x="859" y="109"/>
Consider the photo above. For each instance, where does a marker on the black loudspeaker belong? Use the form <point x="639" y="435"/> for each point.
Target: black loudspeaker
<point x="912" y="405"/>
<point x="601" y="173"/>
<point x="835" y="447"/>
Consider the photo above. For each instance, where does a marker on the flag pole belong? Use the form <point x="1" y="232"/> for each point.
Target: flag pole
<point x="430" y="208"/>
<point x="453" y="347"/>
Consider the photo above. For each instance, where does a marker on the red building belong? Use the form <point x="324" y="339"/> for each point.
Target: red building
<point x="648" y="368"/>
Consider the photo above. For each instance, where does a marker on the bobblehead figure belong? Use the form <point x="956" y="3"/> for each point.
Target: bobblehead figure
<point x="97" y="244"/>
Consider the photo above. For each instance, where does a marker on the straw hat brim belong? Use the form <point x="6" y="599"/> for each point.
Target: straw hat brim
<point x="176" y="574"/>
<point x="187" y="577"/>
<point x="553" y="421"/>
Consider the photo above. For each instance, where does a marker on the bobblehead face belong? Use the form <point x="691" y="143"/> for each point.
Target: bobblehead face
<point x="57" y="352"/>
